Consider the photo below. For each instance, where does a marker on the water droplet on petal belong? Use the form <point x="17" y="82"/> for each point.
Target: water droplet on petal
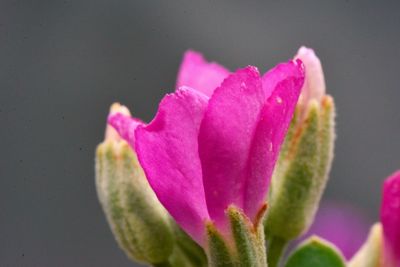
<point x="279" y="100"/>
<point x="270" y="146"/>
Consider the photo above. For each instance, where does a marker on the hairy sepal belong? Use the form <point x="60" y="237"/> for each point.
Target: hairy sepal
<point x="242" y="245"/>
<point x="138" y="221"/>
<point x="301" y="174"/>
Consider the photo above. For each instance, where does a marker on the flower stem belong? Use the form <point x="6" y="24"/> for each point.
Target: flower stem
<point x="276" y="247"/>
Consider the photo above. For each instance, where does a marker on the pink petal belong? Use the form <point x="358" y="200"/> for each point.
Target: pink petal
<point x="167" y="150"/>
<point x="225" y="140"/>
<point x="390" y="218"/>
<point x="281" y="72"/>
<point x="197" y="73"/>
<point x="314" y="84"/>
<point x="274" y="121"/>
<point x="125" y="126"/>
<point x="241" y="134"/>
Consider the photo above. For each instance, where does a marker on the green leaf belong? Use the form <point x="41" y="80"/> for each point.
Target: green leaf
<point x="316" y="252"/>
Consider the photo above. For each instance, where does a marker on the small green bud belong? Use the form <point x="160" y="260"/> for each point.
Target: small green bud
<point x="302" y="170"/>
<point x="370" y="253"/>
<point x="316" y="252"/>
<point x="138" y="221"/>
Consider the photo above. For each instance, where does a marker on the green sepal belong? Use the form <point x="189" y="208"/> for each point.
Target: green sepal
<point x="138" y="221"/>
<point x="188" y="248"/>
<point x="276" y="248"/>
<point x="316" y="252"/>
<point x="292" y="185"/>
<point x="219" y="252"/>
<point x="301" y="172"/>
<point x="370" y="254"/>
<point x="242" y="246"/>
<point x="286" y="145"/>
<point x="180" y="259"/>
<point x="327" y="137"/>
<point x="248" y="237"/>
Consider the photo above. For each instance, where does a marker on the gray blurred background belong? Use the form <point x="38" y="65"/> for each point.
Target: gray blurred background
<point x="62" y="63"/>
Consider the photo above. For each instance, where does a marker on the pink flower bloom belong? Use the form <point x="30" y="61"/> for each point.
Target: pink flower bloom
<point x="215" y="141"/>
<point x="390" y="218"/>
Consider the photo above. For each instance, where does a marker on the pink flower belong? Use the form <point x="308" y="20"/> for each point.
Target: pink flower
<point x="390" y="218"/>
<point x="215" y="140"/>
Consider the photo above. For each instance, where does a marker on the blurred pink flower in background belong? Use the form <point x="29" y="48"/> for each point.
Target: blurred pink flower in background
<point x="390" y="219"/>
<point x="343" y="225"/>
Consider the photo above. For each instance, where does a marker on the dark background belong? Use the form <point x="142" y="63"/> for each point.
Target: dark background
<point x="62" y="63"/>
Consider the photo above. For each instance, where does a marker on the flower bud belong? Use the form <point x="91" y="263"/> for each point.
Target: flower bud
<point x="370" y="253"/>
<point x="314" y="84"/>
<point x="305" y="159"/>
<point x="383" y="245"/>
<point x="138" y="221"/>
<point x="390" y="219"/>
<point x="316" y="252"/>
